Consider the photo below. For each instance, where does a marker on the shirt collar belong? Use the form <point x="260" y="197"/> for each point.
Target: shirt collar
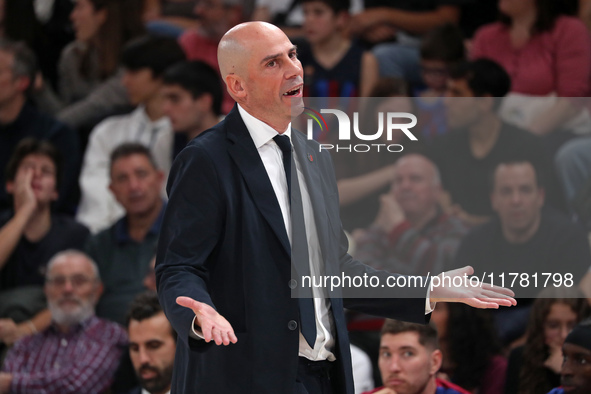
<point x="260" y="132"/>
<point x="121" y="231"/>
<point x="142" y="116"/>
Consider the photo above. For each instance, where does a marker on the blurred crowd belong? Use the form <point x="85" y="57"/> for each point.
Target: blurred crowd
<point x="97" y="97"/>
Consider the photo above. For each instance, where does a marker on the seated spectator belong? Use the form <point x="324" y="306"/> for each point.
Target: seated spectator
<point x="407" y="22"/>
<point x="123" y="251"/>
<point x="442" y="48"/>
<point x="575" y="374"/>
<point x="573" y="162"/>
<point x="30" y="236"/>
<point x="535" y="367"/>
<point x="79" y="352"/>
<point x="480" y="141"/>
<point x="524" y="237"/>
<point x="144" y="61"/>
<point x="192" y="94"/>
<point x="410" y="234"/>
<point x="216" y="17"/>
<point x="19" y="120"/>
<point x="546" y="53"/>
<point x="152" y="345"/>
<point x="90" y="87"/>
<point x="471" y="351"/>
<point x="410" y="359"/>
<point x="335" y="66"/>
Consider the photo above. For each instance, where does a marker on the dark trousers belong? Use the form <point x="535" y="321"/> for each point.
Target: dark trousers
<point x="314" y="377"/>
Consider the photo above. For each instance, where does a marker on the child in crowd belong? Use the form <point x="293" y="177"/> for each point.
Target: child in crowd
<point x="334" y="66"/>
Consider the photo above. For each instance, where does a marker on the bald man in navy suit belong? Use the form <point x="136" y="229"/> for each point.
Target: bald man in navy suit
<point x="223" y="265"/>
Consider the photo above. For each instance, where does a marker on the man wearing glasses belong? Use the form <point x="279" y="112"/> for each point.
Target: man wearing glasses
<point x="78" y="352"/>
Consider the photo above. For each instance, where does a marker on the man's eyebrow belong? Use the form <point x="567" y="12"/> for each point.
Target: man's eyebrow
<point x="276" y="55"/>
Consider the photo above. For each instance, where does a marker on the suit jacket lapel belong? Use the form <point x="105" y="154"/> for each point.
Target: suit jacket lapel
<point x="250" y="165"/>
<point x="313" y="180"/>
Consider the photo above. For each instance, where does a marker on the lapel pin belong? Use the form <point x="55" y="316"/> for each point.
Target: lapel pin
<point x="310" y="157"/>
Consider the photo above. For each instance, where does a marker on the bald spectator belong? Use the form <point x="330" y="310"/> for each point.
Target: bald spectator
<point x="411" y="234"/>
<point x="79" y="352"/>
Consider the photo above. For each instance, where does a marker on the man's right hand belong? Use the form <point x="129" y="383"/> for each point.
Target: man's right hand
<point x="211" y="323"/>
<point x="24" y="196"/>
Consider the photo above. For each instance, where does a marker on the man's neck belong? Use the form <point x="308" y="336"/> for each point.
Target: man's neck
<point x="484" y="134"/>
<point x="208" y="122"/>
<point x="330" y="51"/>
<point x="520" y="237"/>
<point x="39" y="225"/>
<point x="139" y="225"/>
<point x="154" y="108"/>
<point x="10" y="111"/>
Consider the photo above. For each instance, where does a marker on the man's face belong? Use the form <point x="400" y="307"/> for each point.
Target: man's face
<point x="141" y="85"/>
<point x="461" y="105"/>
<point x="213" y="17"/>
<point x="43" y="178"/>
<point x="10" y="87"/>
<point x="576" y="369"/>
<point x="72" y="289"/>
<point x="558" y="324"/>
<point x="136" y="184"/>
<point x="415" y="186"/>
<point x="274" y="78"/>
<point x="320" y="21"/>
<point x="405" y="365"/>
<point x="435" y="74"/>
<point x="184" y="111"/>
<point x="151" y="349"/>
<point x="516" y="197"/>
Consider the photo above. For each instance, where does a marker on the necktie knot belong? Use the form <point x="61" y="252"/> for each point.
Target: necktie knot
<point x="283" y="142"/>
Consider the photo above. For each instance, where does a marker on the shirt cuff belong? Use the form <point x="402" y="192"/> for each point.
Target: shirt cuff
<point x="195" y="334"/>
<point x="429" y="306"/>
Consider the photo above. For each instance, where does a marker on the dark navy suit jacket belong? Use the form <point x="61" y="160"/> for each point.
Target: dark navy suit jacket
<point x="223" y="242"/>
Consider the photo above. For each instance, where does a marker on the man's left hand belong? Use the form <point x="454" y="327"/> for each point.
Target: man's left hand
<point x="481" y="296"/>
<point x="9" y="331"/>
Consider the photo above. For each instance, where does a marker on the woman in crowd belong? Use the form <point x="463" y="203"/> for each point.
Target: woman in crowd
<point x="535" y="367"/>
<point x="471" y="350"/>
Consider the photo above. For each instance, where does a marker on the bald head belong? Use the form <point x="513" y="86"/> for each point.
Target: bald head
<point x="235" y="46"/>
<point x="422" y="164"/>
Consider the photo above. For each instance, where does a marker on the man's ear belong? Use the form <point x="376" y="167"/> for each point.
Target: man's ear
<point x="23" y="83"/>
<point x="10" y="187"/>
<point x="436" y="361"/>
<point x="235" y="86"/>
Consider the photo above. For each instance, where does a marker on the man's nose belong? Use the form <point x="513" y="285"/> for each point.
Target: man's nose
<point x="394" y="365"/>
<point x="144" y="357"/>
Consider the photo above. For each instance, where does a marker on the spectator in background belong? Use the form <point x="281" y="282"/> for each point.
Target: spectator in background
<point x="575" y="375"/>
<point x="546" y="53"/>
<point x="480" y="141"/>
<point x="30" y="236"/>
<point x="216" y="17"/>
<point x="79" y="352"/>
<point x="334" y="65"/>
<point x="407" y="21"/>
<point x="192" y="93"/>
<point x="573" y="162"/>
<point x="441" y="49"/>
<point x="152" y="344"/>
<point x="535" y="367"/>
<point x="410" y="359"/>
<point x="471" y="351"/>
<point x="410" y="234"/>
<point x="19" y="120"/>
<point x="144" y="61"/>
<point x="90" y="86"/>
<point x="123" y="251"/>
<point x="524" y="238"/>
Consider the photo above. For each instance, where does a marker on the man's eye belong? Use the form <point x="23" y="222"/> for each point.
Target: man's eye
<point x="272" y="63"/>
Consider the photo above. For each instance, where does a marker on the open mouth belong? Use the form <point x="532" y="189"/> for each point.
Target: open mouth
<point x="293" y="92"/>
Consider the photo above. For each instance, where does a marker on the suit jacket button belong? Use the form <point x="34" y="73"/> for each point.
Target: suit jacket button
<point x="292" y="325"/>
<point x="293" y="284"/>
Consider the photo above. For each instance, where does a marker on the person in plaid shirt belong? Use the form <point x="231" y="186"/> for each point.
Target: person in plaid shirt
<point x="78" y="353"/>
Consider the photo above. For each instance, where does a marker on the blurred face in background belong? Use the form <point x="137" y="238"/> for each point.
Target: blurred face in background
<point x="514" y="8"/>
<point x="43" y="180"/>
<point x="434" y="73"/>
<point x="87" y="20"/>
<point x="560" y="321"/>
<point x="321" y="22"/>
<point x="184" y="111"/>
<point x="141" y="85"/>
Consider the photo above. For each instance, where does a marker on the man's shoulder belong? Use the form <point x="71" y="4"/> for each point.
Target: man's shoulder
<point x="445" y="387"/>
<point x="105" y="331"/>
<point x="115" y="124"/>
<point x="43" y="125"/>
